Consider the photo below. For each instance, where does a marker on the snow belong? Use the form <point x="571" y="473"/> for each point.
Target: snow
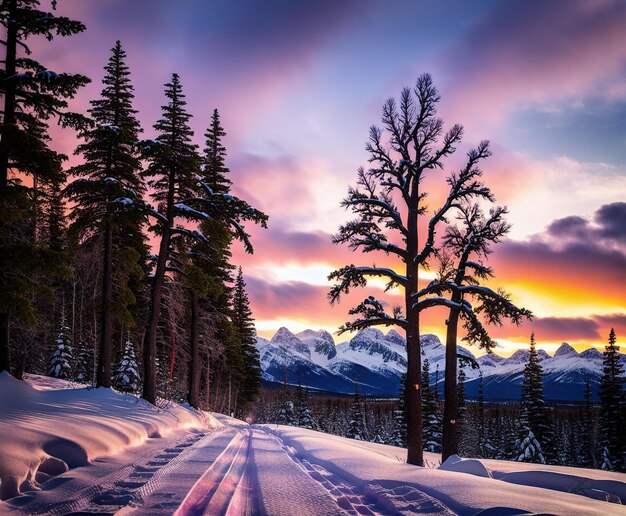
<point x="47" y="74"/>
<point x="381" y="471"/>
<point x="203" y="464"/>
<point x="110" y="127"/>
<point x="471" y="466"/>
<point x="126" y="201"/>
<point x="48" y="426"/>
<point x="183" y="208"/>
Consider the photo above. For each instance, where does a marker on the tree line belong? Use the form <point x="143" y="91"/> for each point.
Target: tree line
<point x="81" y="295"/>
<point x="585" y="435"/>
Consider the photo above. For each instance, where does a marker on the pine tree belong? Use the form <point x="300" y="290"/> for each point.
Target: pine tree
<point x="83" y="363"/>
<point x="399" y="416"/>
<point x="607" y="463"/>
<point x="529" y="449"/>
<point x="460" y="389"/>
<point x="587" y="441"/>
<point x="287" y="414"/>
<point x="534" y="415"/>
<point x="107" y="193"/>
<point x="32" y="95"/>
<point x="176" y="176"/>
<point x="173" y="166"/>
<point x="126" y="377"/>
<point x="612" y="408"/>
<point x="304" y="415"/>
<point x="235" y="330"/>
<point x="62" y="359"/>
<point x="214" y="169"/>
<point x="246" y="334"/>
<point x="357" y="428"/>
<point x="482" y="429"/>
<point x="430" y="410"/>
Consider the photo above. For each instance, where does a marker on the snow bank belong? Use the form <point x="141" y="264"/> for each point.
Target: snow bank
<point x="381" y="471"/>
<point x="47" y="427"/>
<point x="471" y="466"/>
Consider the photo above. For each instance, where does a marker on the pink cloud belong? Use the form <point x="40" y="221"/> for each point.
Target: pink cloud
<point x="536" y="53"/>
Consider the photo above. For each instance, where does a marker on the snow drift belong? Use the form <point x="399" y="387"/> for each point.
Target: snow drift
<point x="47" y="426"/>
<point x="461" y="486"/>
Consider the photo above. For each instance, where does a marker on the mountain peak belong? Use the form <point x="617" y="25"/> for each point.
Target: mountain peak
<point x="369" y="333"/>
<point x="430" y="340"/>
<point x="565" y="350"/>
<point x="394" y="337"/>
<point x="283" y="337"/>
<point x="316" y="334"/>
<point x="282" y="333"/>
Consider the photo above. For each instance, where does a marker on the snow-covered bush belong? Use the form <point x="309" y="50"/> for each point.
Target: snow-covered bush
<point x="126" y="376"/>
<point x="530" y="449"/>
<point x="61" y="361"/>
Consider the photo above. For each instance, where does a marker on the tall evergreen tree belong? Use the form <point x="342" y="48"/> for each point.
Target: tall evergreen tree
<point x="107" y="194"/>
<point x="399" y="416"/>
<point x="32" y="95"/>
<point x="213" y="260"/>
<point x="612" y="407"/>
<point x="175" y="175"/>
<point x="587" y="437"/>
<point x="173" y="165"/>
<point x="357" y="428"/>
<point x="534" y="416"/>
<point x="482" y="429"/>
<point x="304" y="414"/>
<point x="246" y="334"/>
<point x="430" y="411"/>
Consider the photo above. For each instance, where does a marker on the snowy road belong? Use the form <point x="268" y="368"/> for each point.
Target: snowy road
<point x="234" y="470"/>
<point x="238" y="469"/>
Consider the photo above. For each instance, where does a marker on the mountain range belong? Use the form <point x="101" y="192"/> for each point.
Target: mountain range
<point x="376" y="361"/>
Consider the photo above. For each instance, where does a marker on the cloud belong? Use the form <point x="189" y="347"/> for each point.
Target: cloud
<point x="612" y="221"/>
<point x="591" y="329"/>
<point x="534" y="53"/>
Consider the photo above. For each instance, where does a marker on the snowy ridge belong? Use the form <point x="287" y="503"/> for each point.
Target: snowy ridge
<point x="376" y="361"/>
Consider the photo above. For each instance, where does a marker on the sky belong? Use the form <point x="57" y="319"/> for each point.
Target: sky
<point x="298" y="84"/>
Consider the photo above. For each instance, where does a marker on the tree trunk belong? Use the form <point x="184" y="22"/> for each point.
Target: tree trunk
<point x="103" y="376"/>
<point x="5" y="352"/>
<point x="149" y="348"/>
<point x="8" y="118"/>
<point x="450" y="407"/>
<point x="415" y="452"/>
<point x="194" y="362"/>
<point x="208" y="382"/>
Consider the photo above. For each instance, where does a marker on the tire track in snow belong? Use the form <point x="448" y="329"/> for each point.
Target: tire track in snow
<point x="348" y="500"/>
<point x="374" y="498"/>
<point x="225" y="486"/>
<point x="282" y="485"/>
<point x="113" y="490"/>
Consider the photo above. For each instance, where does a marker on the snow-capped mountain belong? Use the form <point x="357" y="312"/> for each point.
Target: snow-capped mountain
<point x="371" y="359"/>
<point x="376" y="361"/>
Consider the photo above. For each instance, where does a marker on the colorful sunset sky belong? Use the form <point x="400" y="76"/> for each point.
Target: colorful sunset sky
<point x="298" y="83"/>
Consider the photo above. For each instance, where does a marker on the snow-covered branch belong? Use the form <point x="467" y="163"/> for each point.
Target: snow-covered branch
<point x="352" y="276"/>
<point x="372" y="313"/>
